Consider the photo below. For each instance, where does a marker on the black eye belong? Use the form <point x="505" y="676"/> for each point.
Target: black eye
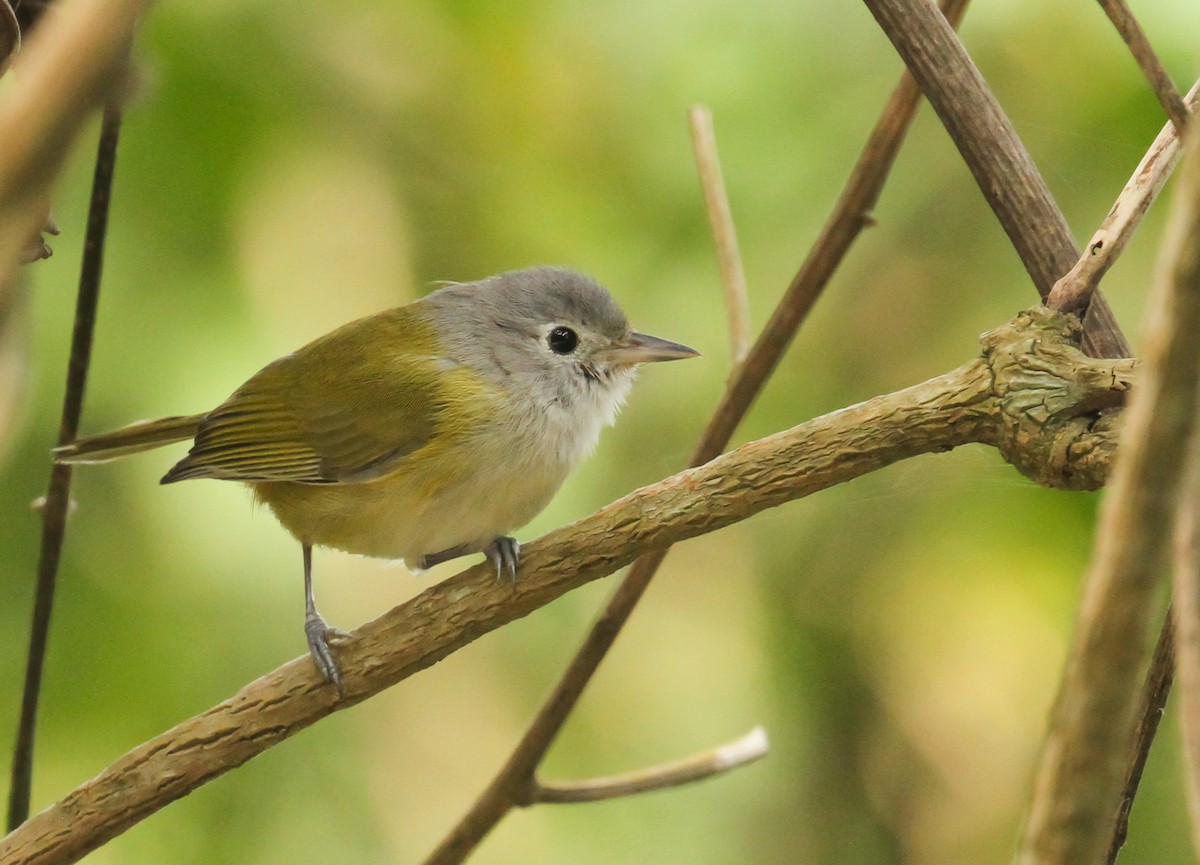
<point x="562" y="340"/>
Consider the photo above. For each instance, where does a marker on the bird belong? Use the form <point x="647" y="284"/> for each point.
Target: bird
<point x="421" y="433"/>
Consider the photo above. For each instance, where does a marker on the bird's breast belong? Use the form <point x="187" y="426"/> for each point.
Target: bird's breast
<point x="459" y="491"/>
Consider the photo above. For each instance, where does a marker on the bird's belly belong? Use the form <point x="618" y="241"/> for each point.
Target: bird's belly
<point x="404" y="516"/>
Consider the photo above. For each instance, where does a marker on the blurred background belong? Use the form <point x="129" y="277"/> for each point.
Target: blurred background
<point x="290" y="166"/>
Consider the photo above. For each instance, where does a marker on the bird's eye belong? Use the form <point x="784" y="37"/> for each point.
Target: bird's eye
<point x="562" y="340"/>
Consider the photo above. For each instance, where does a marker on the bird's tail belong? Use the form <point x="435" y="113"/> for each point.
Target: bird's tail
<point x="141" y="436"/>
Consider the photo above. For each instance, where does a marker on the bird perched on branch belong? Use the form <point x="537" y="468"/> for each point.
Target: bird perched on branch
<point x="422" y="433"/>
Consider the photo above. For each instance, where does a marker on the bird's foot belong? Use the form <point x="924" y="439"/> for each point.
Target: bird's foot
<point x="505" y="554"/>
<point x="319" y="636"/>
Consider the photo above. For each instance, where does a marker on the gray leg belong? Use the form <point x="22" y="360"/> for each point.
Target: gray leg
<point x="317" y="632"/>
<point x="432" y="559"/>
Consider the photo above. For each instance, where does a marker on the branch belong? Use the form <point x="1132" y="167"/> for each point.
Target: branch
<point x="1076" y="795"/>
<point x="1153" y="701"/>
<point x="1030" y="372"/>
<point x="994" y="153"/>
<point x="58" y="494"/>
<point x="1160" y="82"/>
<point x="751" y="747"/>
<point x="733" y="278"/>
<point x="1073" y="292"/>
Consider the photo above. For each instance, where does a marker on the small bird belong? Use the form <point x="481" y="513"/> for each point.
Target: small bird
<point x="421" y="433"/>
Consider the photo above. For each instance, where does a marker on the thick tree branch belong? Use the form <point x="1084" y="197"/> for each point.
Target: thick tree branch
<point x="1030" y="373"/>
<point x="1079" y="781"/>
<point x="994" y="153"/>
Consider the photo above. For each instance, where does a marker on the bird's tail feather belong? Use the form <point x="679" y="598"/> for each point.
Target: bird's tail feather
<point x="143" y="435"/>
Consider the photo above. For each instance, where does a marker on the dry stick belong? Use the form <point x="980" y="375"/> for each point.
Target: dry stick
<point x="58" y="495"/>
<point x="1078" y="785"/>
<point x="995" y="155"/>
<point x="1151" y="66"/>
<point x="1073" y="292"/>
<point x="850" y="215"/>
<point x="729" y="261"/>
<point x="751" y="747"/>
<point x="1031" y="362"/>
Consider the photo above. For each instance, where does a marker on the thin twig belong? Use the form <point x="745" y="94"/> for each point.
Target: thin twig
<point x="1073" y="292"/>
<point x="989" y="145"/>
<point x="54" y="510"/>
<point x="1079" y="780"/>
<point x="1160" y="82"/>
<point x="1033" y="360"/>
<point x="698" y="767"/>
<point x="1155" y="690"/>
<point x="729" y="260"/>
<point x="850" y="215"/>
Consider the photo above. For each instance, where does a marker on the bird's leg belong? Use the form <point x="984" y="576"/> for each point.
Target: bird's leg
<point x="432" y="559"/>
<point x="317" y="632"/>
<point x="504" y="553"/>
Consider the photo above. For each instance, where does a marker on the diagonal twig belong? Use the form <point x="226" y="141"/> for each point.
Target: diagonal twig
<point x="1152" y="702"/>
<point x="1160" y="82"/>
<point x="850" y="215"/>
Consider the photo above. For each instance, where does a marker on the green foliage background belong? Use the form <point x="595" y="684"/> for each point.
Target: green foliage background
<point x="289" y="166"/>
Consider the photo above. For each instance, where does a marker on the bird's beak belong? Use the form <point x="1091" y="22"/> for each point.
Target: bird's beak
<point x="643" y="348"/>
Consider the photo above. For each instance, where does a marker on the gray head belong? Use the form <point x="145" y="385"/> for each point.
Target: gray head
<point x="548" y="321"/>
<point x="554" y="338"/>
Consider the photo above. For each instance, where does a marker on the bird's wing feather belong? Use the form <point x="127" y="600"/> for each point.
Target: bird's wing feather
<point x="330" y="413"/>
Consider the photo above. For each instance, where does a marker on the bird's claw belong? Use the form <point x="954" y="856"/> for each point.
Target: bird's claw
<point x="319" y="636"/>
<point x="505" y="554"/>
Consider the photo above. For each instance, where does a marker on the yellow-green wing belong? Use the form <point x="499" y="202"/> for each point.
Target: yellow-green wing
<point x="343" y="409"/>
